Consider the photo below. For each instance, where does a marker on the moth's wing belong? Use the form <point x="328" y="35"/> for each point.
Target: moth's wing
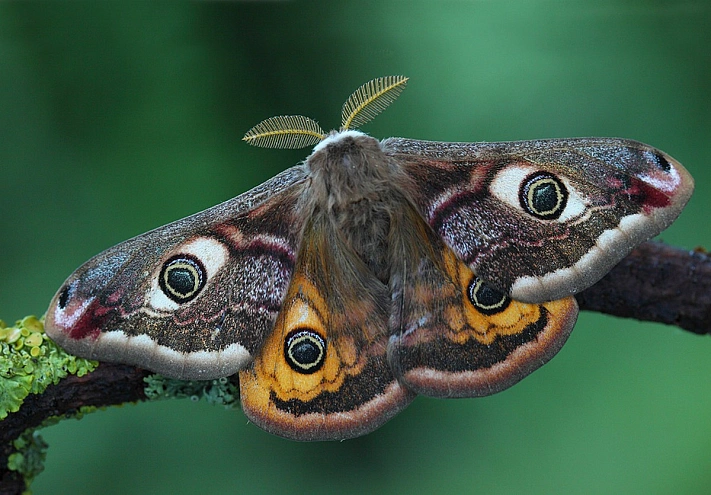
<point x="194" y="299"/>
<point x="452" y="335"/>
<point x="541" y="220"/>
<point x="323" y="372"/>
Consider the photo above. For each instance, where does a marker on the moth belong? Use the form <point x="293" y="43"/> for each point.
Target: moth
<point x="373" y="271"/>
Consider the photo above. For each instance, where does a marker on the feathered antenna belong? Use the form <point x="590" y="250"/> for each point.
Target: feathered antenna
<point x="370" y="99"/>
<point x="285" y="131"/>
<point x="296" y="131"/>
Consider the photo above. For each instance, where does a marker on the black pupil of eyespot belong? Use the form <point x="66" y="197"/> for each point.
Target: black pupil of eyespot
<point x="545" y="197"/>
<point x="486" y="296"/>
<point x="181" y="280"/>
<point x="305" y="352"/>
<point x="485" y="299"/>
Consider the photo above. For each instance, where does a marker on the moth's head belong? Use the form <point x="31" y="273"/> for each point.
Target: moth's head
<point x="341" y="141"/>
<point x="341" y="149"/>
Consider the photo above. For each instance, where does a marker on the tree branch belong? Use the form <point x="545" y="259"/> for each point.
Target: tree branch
<point x="109" y="384"/>
<point x="654" y="283"/>
<point x="658" y="283"/>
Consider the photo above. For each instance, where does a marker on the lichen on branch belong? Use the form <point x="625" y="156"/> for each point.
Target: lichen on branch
<point x="30" y="362"/>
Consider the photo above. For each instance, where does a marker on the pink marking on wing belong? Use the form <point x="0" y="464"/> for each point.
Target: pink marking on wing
<point x="474" y="186"/>
<point x="647" y="196"/>
<point x="261" y="243"/>
<point x="89" y="324"/>
<point x="445" y="204"/>
<point x="116" y="296"/>
<point x="270" y="246"/>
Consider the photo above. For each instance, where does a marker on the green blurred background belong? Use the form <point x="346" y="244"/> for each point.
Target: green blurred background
<point x="119" y="117"/>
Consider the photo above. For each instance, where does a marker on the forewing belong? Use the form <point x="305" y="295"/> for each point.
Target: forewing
<point x="541" y="220"/>
<point x="194" y="299"/>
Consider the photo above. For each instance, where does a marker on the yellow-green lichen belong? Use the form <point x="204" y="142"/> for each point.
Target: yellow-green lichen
<point x="218" y="392"/>
<point x="30" y="362"/>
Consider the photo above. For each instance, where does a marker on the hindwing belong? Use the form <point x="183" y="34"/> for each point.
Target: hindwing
<point x="323" y="372"/>
<point x="455" y="336"/>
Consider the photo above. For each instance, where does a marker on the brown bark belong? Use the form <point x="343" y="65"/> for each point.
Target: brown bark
<point x="658" y="283"/>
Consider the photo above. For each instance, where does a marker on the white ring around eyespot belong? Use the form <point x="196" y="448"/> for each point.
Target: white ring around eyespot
<point x="213" y="255"/>
<point x="507" y="184"/>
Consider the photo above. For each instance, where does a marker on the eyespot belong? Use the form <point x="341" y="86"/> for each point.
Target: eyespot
<point x="182" y="278"/>
<point x="305" y="351"/>
<point x="485" y="299"/>
<point x="539" y="194"/>
<point x="63" y="297"/>
<point x="543" y="195"/>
